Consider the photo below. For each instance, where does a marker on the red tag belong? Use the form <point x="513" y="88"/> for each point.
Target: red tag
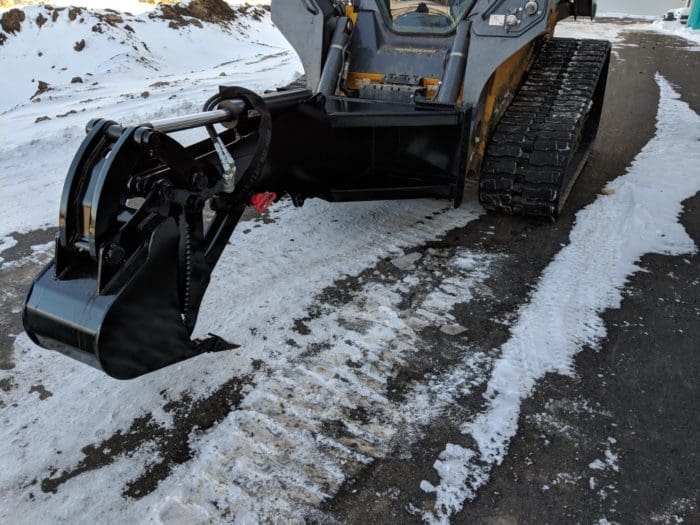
<point x="262" y="201"/>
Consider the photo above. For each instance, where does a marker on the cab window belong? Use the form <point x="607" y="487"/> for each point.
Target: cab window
<point x="428" y="16"/>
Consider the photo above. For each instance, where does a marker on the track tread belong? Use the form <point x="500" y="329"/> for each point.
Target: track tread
<point x="528" y="164"/>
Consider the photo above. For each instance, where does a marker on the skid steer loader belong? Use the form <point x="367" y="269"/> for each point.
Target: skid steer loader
<point x="401" y="99"/>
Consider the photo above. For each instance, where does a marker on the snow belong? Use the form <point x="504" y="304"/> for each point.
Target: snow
<point x="677" y="29"/>
<point x="615" y="32"/>
<point x="563" y="315"/>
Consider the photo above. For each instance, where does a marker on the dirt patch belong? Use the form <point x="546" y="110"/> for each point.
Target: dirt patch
<point x="41" y="390"/>
<point x="41" y="20"/>
<point x="7" y="384"/>
<point x="76" y="80"/>
<point x="42" y="119"/>
<point x="80" y="45"/>
<point x="173" y="443"/>
<point x="196" y="12"/>
<point x="19" y="267"/>
<point x="112" y="18"/>
<point x="11" y="21"/>
<point x="3" y="38"/>
<point x="62" y="115"/>
<point x="74" y="12"/>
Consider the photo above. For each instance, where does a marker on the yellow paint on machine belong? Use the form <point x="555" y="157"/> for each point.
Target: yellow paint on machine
<point x="503" y="86"/>
<point x="356" y="80"/>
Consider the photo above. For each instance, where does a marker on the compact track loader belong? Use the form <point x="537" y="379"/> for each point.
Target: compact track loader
<point x="400" y="99"/>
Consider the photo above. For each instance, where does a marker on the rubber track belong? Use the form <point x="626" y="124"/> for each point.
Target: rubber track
<point x="532" y="159"/>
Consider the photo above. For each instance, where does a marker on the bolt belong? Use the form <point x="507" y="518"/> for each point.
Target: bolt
<point x="114" y="254"/>
<point x="199" y="181"/>
<point x="531" y="7"/>
<point x="167" y="194"/>
<point x="147" y="137"/>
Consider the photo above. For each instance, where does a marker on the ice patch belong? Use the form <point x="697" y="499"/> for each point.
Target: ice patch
<point x="564" y="313"/>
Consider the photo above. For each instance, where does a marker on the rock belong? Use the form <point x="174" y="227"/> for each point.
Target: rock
<point x="43" y="88"/>
<point x="453" y="329"/>
<point x="73" y="13"/>
<point x="196" y="12"/>
<point x="42" y="118"/>
<point x="79" y="46"/>
<point x="76" y="80"/>
<point x="11" y="21"/>
<point x="406" y="262"/>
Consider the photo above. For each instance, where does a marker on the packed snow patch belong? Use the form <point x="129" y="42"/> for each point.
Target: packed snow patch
<point x="564" y="314"/>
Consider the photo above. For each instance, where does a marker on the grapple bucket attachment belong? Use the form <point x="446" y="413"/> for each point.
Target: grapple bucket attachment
<point x="134" y="328"/>
<point x="143" y="221"/>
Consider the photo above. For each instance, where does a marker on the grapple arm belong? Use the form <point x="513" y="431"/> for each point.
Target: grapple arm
<point x="143" y="221"/>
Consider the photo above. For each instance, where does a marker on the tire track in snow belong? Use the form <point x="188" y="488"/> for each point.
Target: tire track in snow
<point x="321" y="417"/>
<point x="640" y="215"/>
<point x="340" y="415"/>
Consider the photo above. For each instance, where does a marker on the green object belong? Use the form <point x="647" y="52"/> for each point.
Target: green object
<point x="694" y="18"/>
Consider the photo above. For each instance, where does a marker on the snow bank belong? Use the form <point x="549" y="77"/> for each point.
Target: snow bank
<point x="626" y="16"/>
<point x="639" y="216"/>
<point x="677" y="29"/>
<point x="57" y="45"/>
<point x="615" y="32"/>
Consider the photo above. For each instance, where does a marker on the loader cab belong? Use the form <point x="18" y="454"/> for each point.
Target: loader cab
<point x="430" y="16"/>
<point x="399" y="49"/>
